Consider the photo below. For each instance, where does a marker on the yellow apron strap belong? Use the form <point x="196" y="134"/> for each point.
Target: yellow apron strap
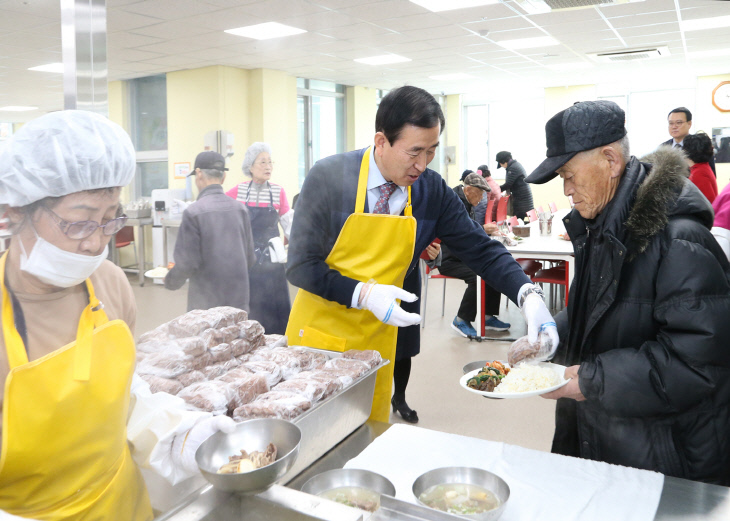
<point x="14" y="345"/>
<point x="92" y="316"/>
<point x="362" y="186"/>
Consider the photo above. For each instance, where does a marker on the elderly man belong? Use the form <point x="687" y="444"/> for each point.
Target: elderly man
<point x="471" y="195"/>
<point x="646" y="329"/>
<point x="214" y="247"/>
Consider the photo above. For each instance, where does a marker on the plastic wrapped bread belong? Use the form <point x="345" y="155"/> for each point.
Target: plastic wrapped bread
<point x="194" y="322"/>
<point x="158" y="334"/>
<point x="240" y="346"/>
<point x="162" y="385"/>
<point x="332" y="382"/>
<point x="157" y="346"/>
<point x="220" y="353"/>
<point x="344" y="378"/>
<point x="246" y="388"/>
<point x="250" y="329"/>
<point x="190" y="378"/>
<point x="234" y="374"/>
<point x="283" y="357"/>
<point x="167" y="364"/>
<point x="309" y="360"/>
<point x="274" y="404"/>
<point x="268" y="368"/>
<point x="192" y="345"/>
<point x="369" y="356"/>
<point x="212" y="396"/>
<point x="275" y="341"/>
<point x="356" y="367"/>
<point x="213" y="337"/>
<point x="311" y="388"/>
<point x="216" y="370"/>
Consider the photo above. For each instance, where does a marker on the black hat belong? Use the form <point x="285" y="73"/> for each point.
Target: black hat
<point x="503" y="157"/>
<point x="209" y="160"/>
<point x="466" y="173"/>
<point x="584" y="126"/>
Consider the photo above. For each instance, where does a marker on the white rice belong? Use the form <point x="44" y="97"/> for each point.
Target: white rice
<point x="527" y="377"/>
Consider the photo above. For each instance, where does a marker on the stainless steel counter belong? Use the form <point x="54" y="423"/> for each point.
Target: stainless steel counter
<point x="680" y="500"/>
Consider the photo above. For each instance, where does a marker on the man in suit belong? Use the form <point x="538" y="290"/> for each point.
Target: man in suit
<point x="680" y="121"/>
<point x="333" y="261"/>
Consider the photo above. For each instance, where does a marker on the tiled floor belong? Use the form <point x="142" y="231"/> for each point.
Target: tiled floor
<point x="434" y="389"/>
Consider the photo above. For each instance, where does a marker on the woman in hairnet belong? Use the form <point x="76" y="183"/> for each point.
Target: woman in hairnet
<point x="266" y="202"/>
<point x="67" y="354"/>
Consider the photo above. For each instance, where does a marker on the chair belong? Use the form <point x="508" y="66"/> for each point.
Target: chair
<point x="125" y="237"/>
<point x="488" y="217"/>
<point x="502" y="209"/>
<point x="557" y="275"/>
<point x="426" y="275"/>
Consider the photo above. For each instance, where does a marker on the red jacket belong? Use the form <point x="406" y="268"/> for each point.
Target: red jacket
<point x="701" y="175"/>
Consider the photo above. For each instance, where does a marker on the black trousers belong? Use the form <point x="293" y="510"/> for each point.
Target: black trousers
<point x="453" y="267"/>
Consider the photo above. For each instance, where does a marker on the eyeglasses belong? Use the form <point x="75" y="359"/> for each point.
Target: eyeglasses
<point x="264" y="163"/>
<point x="676" y="123"/>
<point x="82" y="229"/>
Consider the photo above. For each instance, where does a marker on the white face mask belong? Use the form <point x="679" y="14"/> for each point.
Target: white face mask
<point x="57" y="267"/>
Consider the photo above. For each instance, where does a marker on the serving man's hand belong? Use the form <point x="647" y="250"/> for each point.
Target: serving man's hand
<point x="491" y="228"/>
<point x="380" y="300"/>
<point x="569" y="390"/>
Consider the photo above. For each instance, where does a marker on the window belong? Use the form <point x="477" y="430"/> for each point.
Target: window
<point x="148" y="116"/>
<point x="476" y="136"/>
<point x="320" y="121"/>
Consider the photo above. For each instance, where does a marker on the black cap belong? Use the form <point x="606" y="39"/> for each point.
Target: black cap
<point x="584" y="126"/>
<point x="503" y="157"/>
<point x="466" y="173"/>
<point x="209" y="160"/>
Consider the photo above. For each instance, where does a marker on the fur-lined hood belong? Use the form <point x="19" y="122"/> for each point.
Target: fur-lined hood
<point x="665" y="192"/>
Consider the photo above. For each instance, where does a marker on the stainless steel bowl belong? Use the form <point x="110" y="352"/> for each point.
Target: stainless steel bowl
<point x="469" y="476"/>
<point x="348" y="478"/>
<point x="468" y="368"/>
<point x="250" y="435"/>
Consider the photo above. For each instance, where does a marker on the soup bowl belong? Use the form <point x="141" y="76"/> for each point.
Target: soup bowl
<point x="339" y="478"/>
<point x="465" y="476"/>
<point x="251" y="435"/>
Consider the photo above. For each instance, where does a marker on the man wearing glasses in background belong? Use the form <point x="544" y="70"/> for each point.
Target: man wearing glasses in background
<point x="680" y="121"/>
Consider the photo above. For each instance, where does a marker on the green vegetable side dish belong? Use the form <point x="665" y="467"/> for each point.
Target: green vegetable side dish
<point x="488" y="377"/>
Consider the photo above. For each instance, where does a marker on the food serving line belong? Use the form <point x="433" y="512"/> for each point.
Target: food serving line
<point x="336" y="434"/>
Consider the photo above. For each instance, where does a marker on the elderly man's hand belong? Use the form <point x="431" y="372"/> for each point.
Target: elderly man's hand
<point x="569" y="390"/>
<point x="491" y="228"/>
<point x="432" y="250"/>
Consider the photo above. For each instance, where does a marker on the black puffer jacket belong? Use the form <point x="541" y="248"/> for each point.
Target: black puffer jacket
<point x="648" y="321"/>
<point x="514" y="181"/>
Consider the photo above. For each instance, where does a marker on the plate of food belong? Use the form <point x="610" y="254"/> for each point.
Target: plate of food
<point x="156" y="273"/>
<point x="499" y="380"/>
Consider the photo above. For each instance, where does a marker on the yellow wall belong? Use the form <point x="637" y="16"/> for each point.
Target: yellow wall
<point x="557" y="99"/>
<point x="454" y="123"/>
<point x="706" y="117"/>
<point x="361" y="110"/>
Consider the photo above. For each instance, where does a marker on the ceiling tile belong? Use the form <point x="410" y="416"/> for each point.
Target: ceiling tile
<point x="414" y="22"/>
<point x="164" y="11"/>
<point x="350" y="32"/>
<point x="120" y="20"/>
<point x="379" y="10"/>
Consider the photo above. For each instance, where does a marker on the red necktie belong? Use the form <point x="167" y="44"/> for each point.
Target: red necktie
<point x="386" y="190"/>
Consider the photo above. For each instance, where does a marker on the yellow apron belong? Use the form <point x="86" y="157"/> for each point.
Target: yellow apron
<point x="64" y="436"/>
<point x="369" y="246"/>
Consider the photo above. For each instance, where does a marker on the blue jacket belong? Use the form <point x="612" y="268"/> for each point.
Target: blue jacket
<point x="328" y="198"/>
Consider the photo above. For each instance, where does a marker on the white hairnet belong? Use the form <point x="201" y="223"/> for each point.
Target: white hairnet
<point x="62" y="153"/>
<point x="251" y="154"/>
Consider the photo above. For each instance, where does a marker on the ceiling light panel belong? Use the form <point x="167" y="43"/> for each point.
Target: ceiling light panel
<point x="442" y="5"/>
<point x="265" y="31"/>
<point x="383" y="59"/>
<point x="703" y="24"/>
<point x="528" y="43"/>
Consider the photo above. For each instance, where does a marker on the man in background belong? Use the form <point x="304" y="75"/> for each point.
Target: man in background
<point x="680" y="121"/>
<point x="214" y="247"/>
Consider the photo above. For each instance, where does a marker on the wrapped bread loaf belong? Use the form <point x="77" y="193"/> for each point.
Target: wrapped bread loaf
<point x="240" y="346"/>
<point x="246" y="388"/>
<point x="250" y="330"/>
<point x="274" y="404"/>
<point x="269" y="369"/>
<point x="370" y="357"/>
<point x="343" y="377"/>
<point x="193" y="345"/>
<point x="311" y="388"/>
<point x="283" y="357"/>
<point x="158" y="334"/>
<point x="309" y="360"/>
<point x="356" y="367"/>
<point x="332" y="382"/>
<point x="190" y="378"/>
<point x="194" y="322"/>
<point x="167" y="364"/>
<point x="162" y="385"/>
<point x="212" y="396"/>
<point x="220" y="353"/>
<point x="234" y="374"/>
<point x="213" y="337"/>
<point x="275" y="341"/>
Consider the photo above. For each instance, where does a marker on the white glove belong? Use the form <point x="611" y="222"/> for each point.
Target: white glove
<point x="540" y="325"/>
<point x="186" y="444"/>
<point x="380" y="300"/>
